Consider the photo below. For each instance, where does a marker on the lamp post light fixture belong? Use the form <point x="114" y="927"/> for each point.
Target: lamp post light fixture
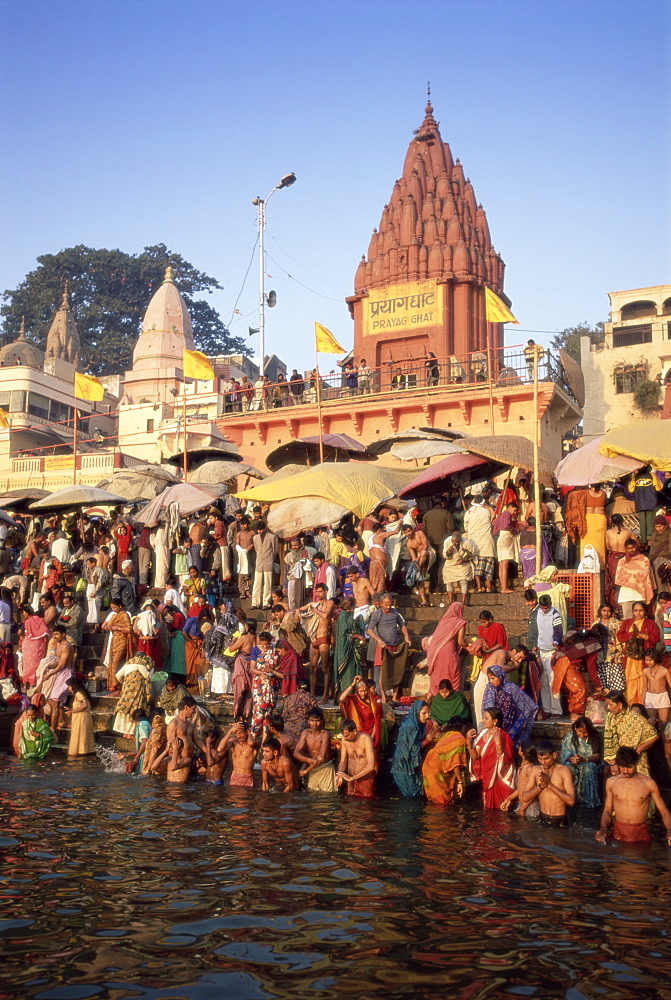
<point x="261" y="203"/>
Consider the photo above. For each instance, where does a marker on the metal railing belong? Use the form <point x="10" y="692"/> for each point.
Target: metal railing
<point x="510" y="367"/>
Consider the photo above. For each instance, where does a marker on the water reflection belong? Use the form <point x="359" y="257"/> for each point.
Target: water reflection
<point x="116" y="886"/>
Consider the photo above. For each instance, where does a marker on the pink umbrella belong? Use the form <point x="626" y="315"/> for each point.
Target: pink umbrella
<point x="587" y="465"/>
<point x="439" y="476"/>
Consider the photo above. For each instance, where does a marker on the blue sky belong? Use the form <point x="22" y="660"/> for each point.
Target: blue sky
<point x="131" y="123"/>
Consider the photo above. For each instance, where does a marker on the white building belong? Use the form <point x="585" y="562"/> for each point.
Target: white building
<point x="636" y="348"/>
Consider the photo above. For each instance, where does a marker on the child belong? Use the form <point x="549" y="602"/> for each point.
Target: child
<point x="214" y="591"/>
<point x="656" y="685"/>
<point x="529" y="760"/>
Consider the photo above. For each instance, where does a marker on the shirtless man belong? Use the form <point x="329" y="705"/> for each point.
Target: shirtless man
<point x="357" y="767"/>
<point x="35" y="549"/>
<point x="313" y="751"/>
<point x="179" y="762"/>
<point x="552" y="784"/>
<point x="379" y="557"/>
<point x="656" y="685"/>
<point x="628" y="796"/>
<point x="275" y="728"/>
<point x="362" y="592"/>
<point x="320" y="645"/>
<point x="243" y="754"/>
<point x="65" y="652"/>
<point x="278" y="766"/>
<point x="216" y="759"/>
<point x="618" y="535"/>
<point x="417" y="545"/>
<point x="181" y="727"/>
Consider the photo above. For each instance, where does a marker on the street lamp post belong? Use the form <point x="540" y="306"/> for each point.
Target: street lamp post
<point x="261" y="203"/>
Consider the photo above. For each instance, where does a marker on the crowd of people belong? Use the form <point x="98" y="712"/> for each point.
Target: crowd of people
<point x="358" y="378"/>
<point x="168" y="601"/>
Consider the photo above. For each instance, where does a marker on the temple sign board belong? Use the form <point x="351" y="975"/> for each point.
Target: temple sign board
<point x="407" y="307"/>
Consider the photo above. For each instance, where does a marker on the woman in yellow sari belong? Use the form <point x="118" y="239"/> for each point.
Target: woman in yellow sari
<point x="444" y="768"/>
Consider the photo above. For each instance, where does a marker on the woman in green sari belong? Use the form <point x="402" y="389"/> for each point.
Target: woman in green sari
<point x="36" y="737"/>
<point x="449" y="705"/>
<point x="349" y="652"/>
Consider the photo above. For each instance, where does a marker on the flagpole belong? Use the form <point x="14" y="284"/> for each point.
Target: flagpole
<point x="186" y="467"/>
<point x="491" y="391"/>
<point x="319" y="408"/>
<point x="537" y="485"/>
<point x="74" y="447"/>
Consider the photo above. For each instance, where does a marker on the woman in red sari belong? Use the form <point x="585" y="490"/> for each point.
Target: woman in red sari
<point x="123" y="538"/>
<point x="492" y="759"/>
<point x="444" y="648"/>
<point x="34" y="636"/>
<point x="359" y="703"/>
<point x="638" y="635"/>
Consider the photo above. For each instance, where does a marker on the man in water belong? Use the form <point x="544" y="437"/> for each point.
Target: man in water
<point x="275" y="728"/>
<point x="179" y="762"/>
<point x="243" y="754"/>
<point x="357" y="767"/>
<point x="181" y="727"/>
<point x="278" y="766"/>
<point x="628" y="796"/>
<point x="313" y="751"/>
<point x="552" y="784"/>
<point x="216" y="760"/>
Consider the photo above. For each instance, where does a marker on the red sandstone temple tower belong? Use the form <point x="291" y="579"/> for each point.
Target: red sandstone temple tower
<point x="421" y="286"/>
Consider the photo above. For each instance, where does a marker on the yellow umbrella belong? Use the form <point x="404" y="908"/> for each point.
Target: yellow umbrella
<point x="648" y="441"/>
<point x="353" y="485"/>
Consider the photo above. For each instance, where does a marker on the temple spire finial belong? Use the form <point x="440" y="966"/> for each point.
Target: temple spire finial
<point x="169" y="276"/>
<point x="22" y="328"/>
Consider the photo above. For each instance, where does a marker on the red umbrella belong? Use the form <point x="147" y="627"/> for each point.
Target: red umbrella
<point x="437" y="477"/>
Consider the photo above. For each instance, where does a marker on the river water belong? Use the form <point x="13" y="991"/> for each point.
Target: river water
<point x="116" y="886"/>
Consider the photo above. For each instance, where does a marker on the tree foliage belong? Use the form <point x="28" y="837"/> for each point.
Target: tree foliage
<point x="647" y="395"/>
<point x="569" y="339"/>
<point x="109" y="292"/>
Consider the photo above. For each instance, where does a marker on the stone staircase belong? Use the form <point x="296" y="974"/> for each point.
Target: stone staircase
<point x="509" y="609"/>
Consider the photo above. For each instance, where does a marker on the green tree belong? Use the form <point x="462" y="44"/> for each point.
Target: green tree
<point x="569" y="339"/>
<point x="109" y="292"/>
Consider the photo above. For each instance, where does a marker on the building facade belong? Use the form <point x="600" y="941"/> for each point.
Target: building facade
<point x="636" y="348"/>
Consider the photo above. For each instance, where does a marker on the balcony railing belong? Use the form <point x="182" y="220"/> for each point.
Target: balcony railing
<point x="509" y="368"/>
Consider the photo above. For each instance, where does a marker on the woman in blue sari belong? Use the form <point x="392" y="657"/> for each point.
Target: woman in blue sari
<point x="517" y="709"/>
<point x="135" y="760"/>
<point x="406" y="766"/>
<point x="581" y="752"/>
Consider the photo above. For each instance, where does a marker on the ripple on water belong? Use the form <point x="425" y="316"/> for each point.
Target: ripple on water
<point x="190" y="895"/>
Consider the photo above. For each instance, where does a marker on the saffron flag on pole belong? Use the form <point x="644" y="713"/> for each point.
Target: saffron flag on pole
<point x="497" y="311"/>
<point x="196" y="365"/>
<point x="4" y="422"/>
<point x="88" y="387"/>
<point x="325" y="342"/>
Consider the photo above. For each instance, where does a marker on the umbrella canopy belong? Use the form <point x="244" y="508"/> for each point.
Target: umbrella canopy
<point x="512" y="450"/>
<point x="388" y="443"/>
<point x="587" y="465"/>
<point x="6" y="519"/>
<point x="222" y="472"/>
<point x="447" y="473"/>
<point x="358" y="488"/>
<point x="288" y="517"/>
<point x="204" y="440"/>
<point x="412" y="451"/>
<point x="141" y="482"/>
<point x="337" y="448"/>
<point x="77" y="496"/>
<point x="22" y="498"/>
<point x="188" y="498"/>
<point x="648" y="442"/>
